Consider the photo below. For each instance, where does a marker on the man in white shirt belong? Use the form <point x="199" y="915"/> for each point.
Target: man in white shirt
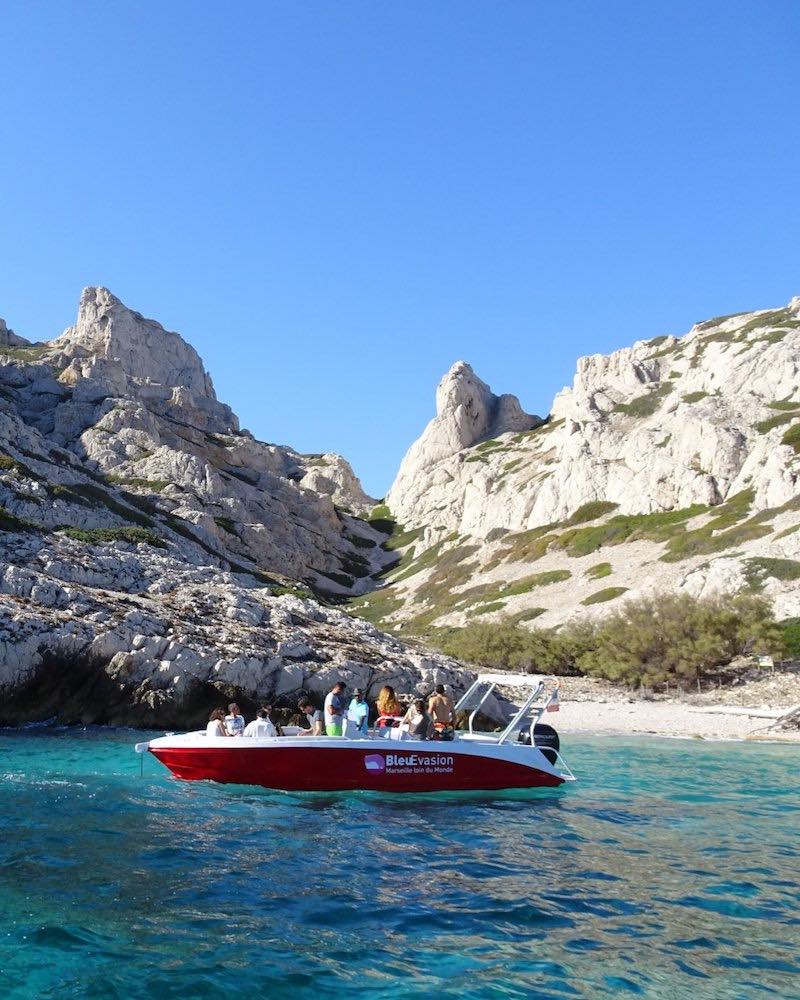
<point x="260" y="726"/>
<point x="234" y="721"/>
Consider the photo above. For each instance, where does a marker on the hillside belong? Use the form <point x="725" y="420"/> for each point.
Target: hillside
<point x="154" y="557"/>
<point x="672" y="465"/>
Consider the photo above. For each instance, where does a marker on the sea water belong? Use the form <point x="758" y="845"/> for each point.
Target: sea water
<point x="670" y="869"/>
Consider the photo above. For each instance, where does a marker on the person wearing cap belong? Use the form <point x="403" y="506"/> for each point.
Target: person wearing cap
<point x="358" y="712"/>
<point x="334" y="709"/>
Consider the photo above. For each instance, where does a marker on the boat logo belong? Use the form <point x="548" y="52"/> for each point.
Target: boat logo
<point x="375" y="762"/>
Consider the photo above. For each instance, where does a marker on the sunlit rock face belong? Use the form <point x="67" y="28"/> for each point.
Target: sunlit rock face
<point x="155" y="559"/>
<point x="133" y="401"/>
<point x="669" y="424"/>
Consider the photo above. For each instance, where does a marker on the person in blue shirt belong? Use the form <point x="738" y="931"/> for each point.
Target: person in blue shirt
<point x="358" y="711"/>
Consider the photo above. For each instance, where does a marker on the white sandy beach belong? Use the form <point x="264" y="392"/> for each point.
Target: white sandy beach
<point x="742" y="712"/>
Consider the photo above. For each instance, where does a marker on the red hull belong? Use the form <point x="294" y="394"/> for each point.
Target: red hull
<point x="327" y="769"/>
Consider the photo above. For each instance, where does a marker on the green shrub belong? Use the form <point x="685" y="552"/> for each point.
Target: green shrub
<point x="679" y="638"/>
<point x="601" y="596"/>
<point x="765" y="426"/>
<point x="485" y="609"/>
<point x="26" y="352"/>
<point x="154" y="485"/>
<point x="776" y="317"/>
<point x="792" y="438"/>
<point x="227" y="525"/>
<point x="694" y="397"/>
<point x="704" y="542"/>
<point x="360" y="542"/>
<point x="280" y="589"/>
<point x="496" y="533"/>
<point x="381" y="519"/>
<point x="674" y="638"/>
<point x="590" y="512"/>
<point x="10" y="522"/>
<point x="790" y="629"/>
<point x="779" y="569"/>
<point x="784" y="404"/>
<point x="598" y="571"/>
<point x="103" y="536"/>
<point x="658" y="526"/>
<point x="645" y="406"/>
<point x="529" y="583"/>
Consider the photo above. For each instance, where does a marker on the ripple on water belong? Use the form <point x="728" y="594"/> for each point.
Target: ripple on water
<point x="626" y="884"/>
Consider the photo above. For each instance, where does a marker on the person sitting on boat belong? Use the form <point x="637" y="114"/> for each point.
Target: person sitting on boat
<point x="441" y="709"/>
<point x="358" y="712"/>
<point x="418" y="721"/>
<point x="216" y="723"/>
<point x="260" y="726"/>
<point x="234" y="721"/>
<point x="389" y="708"/>
<point x="268" y="709"/>
<point x="315" y="719"/>
<point x="334" y="709"/>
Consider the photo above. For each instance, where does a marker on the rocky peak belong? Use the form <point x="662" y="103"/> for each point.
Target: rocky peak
<point x="467" y="411"/>
<point x="10" y="339"/>
<point x="145" y="351"/>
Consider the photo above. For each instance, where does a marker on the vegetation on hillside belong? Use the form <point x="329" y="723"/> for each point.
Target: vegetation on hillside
<point x="674" y="639"/>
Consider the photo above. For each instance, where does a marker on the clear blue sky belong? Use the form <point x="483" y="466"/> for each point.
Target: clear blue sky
<point x="334" y="201"/>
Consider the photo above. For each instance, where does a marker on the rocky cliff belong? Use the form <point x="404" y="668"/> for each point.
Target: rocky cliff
<point x="147" y="543"/>
<point x="672" y="464"/>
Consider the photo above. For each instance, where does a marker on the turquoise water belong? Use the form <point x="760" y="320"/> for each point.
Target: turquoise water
<point x="670" y="870"/>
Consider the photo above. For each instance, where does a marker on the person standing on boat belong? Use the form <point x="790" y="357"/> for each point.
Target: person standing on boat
<point x="260" y="726"/>
<point x="358" y="711"/>
<point x="234" y="721"/>
<point x="440" y="708"/>
<point x="315" y="719"/>
<point x="334" y="710"/>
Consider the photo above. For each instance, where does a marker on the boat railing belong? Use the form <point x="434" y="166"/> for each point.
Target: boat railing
<point x="485" y="684"/>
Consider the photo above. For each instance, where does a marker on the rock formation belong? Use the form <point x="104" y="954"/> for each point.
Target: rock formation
<point x="156" y="559"/>
<point x="150" y="550"/>
<point x="133" y="402"/>
<point x="688" y="437"/>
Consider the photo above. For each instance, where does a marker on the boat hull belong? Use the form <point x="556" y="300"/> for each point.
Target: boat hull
<point x="328" y="765"/>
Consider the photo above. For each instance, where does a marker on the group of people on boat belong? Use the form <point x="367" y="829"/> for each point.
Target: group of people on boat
<point x="423" y="719"/>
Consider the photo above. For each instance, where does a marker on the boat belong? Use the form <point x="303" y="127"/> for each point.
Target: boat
<point x="526" y="754"/>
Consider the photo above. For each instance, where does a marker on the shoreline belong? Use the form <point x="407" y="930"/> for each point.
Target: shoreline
<point x="740" y="713"/>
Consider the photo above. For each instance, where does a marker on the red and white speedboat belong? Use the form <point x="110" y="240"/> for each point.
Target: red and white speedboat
<point x="524" y="755"/>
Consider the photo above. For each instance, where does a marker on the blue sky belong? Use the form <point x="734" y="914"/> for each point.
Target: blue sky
<point x="334" y="201"/>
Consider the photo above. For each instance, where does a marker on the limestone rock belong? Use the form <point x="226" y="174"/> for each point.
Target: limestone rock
<point x="467" y="411"/>
<point x="10" y="339"/>
<point x="671" y="424"/>
<point x="133" y="402"/>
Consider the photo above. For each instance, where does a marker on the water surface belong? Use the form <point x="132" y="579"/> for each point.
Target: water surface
<point x="669" y="870"/>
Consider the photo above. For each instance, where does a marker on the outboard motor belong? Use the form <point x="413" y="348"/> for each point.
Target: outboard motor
<point x="546" y="739"/>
